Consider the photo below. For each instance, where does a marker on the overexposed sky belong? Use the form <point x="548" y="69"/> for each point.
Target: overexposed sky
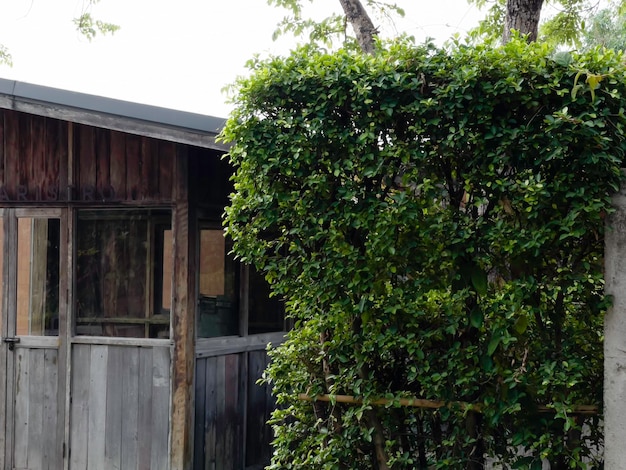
<point x="174" y="53"/>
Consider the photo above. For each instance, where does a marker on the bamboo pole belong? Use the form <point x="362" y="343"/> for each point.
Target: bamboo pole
<point x="430" y="404"/>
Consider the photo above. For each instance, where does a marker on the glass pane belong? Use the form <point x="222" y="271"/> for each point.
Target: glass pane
<point x="218" y="310"/>
<point x="117" y="262"/>
<point x="38" y="276"/>
<point x="1" y="270"/>
<point x="266" y="314"/>
<point x="168" y="270"/>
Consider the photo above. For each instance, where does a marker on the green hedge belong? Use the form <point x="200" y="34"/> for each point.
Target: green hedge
<point x="434" y="220"/>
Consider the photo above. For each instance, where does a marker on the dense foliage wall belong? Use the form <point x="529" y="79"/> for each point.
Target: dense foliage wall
<point x="434" y="220"/>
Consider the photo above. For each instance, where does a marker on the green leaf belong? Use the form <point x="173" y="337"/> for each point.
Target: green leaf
<point x="493" y="344"/>
<point x="479" y="280"/>
<point x="521" y="324"/>
<point x="476" y="318"/>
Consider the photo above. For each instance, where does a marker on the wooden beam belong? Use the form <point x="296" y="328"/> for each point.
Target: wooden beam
<point x="183" y="318"/>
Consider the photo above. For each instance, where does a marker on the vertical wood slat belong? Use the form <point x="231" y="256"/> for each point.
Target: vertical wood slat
<point x="34" y="457"/>
<point x="10" y="306"/>
<point x="12" y="153"/>
<point x="55" y="179"/>
<point x="97" y="412"/>
<point x="167" y="151"/>
<point x="52" y="450"/>
<point x="81" y="379"/>
<point x="117" y="163"/>
<point x="36" y="176"/>
<point x="85" y="156"/>
<point x="4" y="115"/>
<point x="200" y="402"/>
<point x="113" y="406"/>
<point x="149" y="168"/>
<point x="129" y="405"/>
<point x="144" y="444"/>
<point x="211" y="413"/>
<point x="257" y="439"/>
<point x="3" y="332"/>
<point x="133" y="167"/>
<point x="103" y="160"/>
<point x="25" y="150"/>
<point x="160" y="409"/>
<point x="21" y="418"/>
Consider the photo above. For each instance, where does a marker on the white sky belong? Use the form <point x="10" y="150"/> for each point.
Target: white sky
<point x="173" y="53"/>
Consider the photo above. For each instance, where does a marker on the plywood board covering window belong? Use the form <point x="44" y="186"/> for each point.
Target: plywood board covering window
<point x="218" y="306"/>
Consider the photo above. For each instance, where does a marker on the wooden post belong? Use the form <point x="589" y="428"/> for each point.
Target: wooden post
<point x="183" y="318"/>
<point x="615" y="336"/>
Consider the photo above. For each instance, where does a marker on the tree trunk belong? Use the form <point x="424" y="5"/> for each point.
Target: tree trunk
<point x="361" y="23"/>
<point x="522" y="16"/>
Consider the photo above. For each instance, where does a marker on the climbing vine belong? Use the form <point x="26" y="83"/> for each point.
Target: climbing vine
<point x="434" y="220"/>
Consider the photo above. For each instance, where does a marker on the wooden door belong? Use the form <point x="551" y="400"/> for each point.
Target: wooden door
<point x="33" y="348"/>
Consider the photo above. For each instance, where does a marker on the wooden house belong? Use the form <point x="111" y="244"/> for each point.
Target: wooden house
<point x="131" y="338"/>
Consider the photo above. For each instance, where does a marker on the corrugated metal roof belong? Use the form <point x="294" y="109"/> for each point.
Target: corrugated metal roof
<point x="142" y="119"/>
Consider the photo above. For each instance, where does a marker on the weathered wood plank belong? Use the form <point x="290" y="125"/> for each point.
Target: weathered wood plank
<point x="210" y="422"/>
<point x="85" y="156"/>
<point x="103" y="160"/>
<point x="55" y="180"/>
<point x="130" y="407"/>
<point x="79" y="413"/>
<point x="199" y="414"/>
<point x="22" y="401"/>
<point x="167" y="152"/>
<point x="3" y="118"/>
<point x="183" y="321"/>
<point x="36" y="176"/>
<point x="233" y="410"/>
<point x="12" y="153"/>
<point x="242" y="410"/>
<point x="221" y="450"/>
<point x="144" y="444"/>
<point x="113" y="404"/>
<point x="149" y="168"/>
<point x="97" y="412"/>
<point x="160" y="409"/>
<point x="118" y="164"/>
<point x="9" y="305"/>
<point x="257" y="438"/>
<point x="25" y="153"/>
<point x="52" y="449"/>
<point x="3" y="332"/>
<point x="133" y="167"/>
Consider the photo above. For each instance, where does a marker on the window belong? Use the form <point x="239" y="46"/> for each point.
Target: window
<point x="38" y="275"/>
<point x="232" y="300"/>
<point x="123" y="273"/>
<point x="218" y="306"/>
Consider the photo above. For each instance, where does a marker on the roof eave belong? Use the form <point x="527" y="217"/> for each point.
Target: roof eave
<point x="151" y="121"/>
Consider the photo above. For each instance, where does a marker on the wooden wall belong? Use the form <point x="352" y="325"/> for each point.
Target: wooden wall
<point x="120" y="407"/>
<point x="36" y="412"/>
<point x="49" y="160"/>
<point x="121" y="167"/>
<point x="231" y="411"/>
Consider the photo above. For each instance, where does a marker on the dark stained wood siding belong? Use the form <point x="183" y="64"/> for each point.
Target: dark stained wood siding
<point x="33" y="157"/>
<point x="231" y="412"/>
<point x="114" y="166"/>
